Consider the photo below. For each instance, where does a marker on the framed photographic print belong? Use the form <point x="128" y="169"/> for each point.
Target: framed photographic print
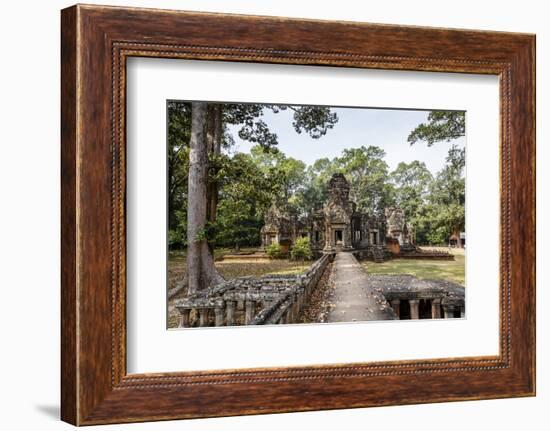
<point x="265" y="215"/>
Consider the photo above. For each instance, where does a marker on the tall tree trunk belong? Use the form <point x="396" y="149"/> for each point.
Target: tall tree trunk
<point x="201" y="271"/>
<point x="214" y="136"/>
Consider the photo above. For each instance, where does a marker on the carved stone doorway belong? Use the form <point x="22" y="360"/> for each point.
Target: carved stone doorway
<point x="338" y="236"/>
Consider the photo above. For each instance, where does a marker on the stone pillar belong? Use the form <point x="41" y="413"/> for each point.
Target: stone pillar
<point x="288" y="315"/>
<point x="300" y="300"/>
<point x="218" y="312"/>
<point x="349" y="236"/>
<point x="395" y="305"/>
<point x="250" y="308"/>
<point x="297" y="307"/>
<point x="436" y="308"/>
<point x="345" y="239"/>
<point x="328" y="238"/>
<point x="413" y="303"/>
<point x="184" y="318"/>
<point x="230" y="312"/>
<point x="203" y="316"/>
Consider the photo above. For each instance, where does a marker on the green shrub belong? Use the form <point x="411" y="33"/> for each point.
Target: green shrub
<point x="274" y="251"/>
<point x="301" y="249"/>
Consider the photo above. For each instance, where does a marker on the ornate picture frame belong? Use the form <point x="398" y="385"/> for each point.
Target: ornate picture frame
<point x="96" y="41"/>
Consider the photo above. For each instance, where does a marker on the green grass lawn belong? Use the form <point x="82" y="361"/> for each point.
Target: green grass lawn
<point x="453" y="270"/>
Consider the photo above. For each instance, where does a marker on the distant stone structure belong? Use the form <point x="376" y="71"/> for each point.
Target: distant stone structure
<point x="280" y="229"/>
<point x="338" y="226"/>
<point x="399" y="234"/>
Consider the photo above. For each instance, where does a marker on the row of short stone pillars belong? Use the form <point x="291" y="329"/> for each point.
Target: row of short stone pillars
<point x="224" y="312"/>
<point x="448" y="310"/>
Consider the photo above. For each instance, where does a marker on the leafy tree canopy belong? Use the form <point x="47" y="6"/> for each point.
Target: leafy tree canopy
<point x="411" y="182"/>
<point x="441" y="126"/>
<point x="367" y="172"/>
<point x="249" y="183"/>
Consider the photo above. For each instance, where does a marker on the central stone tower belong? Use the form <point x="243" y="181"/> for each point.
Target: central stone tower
<point x="338" y="211"/>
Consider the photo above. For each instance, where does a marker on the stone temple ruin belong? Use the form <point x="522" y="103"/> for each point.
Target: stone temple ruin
<point x="280" y="299"/>
<point x="338" y="226"/>
<point x="334" y="228"/>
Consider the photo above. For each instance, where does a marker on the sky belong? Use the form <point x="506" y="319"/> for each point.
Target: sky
<point x="384" y="128"/>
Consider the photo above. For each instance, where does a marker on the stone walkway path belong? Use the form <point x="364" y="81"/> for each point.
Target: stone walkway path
<point x="355" y="299"/>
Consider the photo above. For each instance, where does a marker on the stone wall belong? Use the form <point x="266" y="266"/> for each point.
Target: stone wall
<point x="266" y="300"/>
<point x="440" y="298"/>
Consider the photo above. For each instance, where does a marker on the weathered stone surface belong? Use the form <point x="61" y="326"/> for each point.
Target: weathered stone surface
<point x="281" y="297"/>
<point x="338" y="225"/>
<point x="355" y="299"/>
<point x="407" y="287"/>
